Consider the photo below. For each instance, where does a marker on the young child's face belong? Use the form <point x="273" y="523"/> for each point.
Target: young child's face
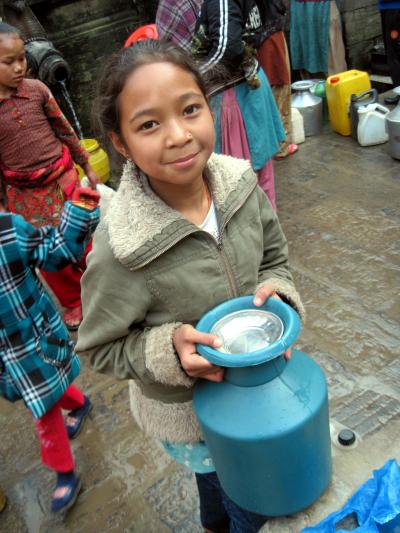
<point x="12" y="61"/>
<point x="166" y="124"/>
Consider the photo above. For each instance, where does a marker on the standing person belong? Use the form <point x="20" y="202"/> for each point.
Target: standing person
<point x="37" y="359"/>
<point x="37" y="150"/>
<point x="273" y="56"/>
<point x="186" y="230"/>
<point x="247" y="121"/>
<point x="390" y="15"/>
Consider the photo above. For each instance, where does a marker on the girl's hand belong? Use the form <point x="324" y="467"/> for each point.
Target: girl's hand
<point x="86" y="197"/>
<point x="2" y="208"/>
<point x="91" y="175"/>
<point x="260" y="297"/>
<point x="184" y="339"/>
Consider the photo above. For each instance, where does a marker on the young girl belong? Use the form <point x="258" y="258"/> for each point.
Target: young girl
<point x="186" y="230"/>
<point x="37" y="359"/>
<point x="37" y="149"/>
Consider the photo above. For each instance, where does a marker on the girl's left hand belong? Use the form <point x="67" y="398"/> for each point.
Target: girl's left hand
<point x="260" y="297"/>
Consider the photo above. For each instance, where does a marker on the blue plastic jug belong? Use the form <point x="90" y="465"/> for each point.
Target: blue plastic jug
<point x="267" y="424"/>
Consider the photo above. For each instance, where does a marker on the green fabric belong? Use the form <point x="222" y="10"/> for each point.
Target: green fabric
<point x="309" y="35"/>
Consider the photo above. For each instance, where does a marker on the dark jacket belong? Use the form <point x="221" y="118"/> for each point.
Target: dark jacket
<point x="275" y="15"/>
<point x="37" y="358"/>
<point x="225" y="27"/>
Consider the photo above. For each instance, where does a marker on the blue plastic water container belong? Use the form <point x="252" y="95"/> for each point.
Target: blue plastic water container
<point x="267" y="424"/>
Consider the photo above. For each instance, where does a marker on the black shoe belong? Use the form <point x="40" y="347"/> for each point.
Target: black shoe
<point x="392" y="100"/>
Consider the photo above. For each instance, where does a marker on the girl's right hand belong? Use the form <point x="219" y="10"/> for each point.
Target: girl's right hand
<point x="184" y="339"/>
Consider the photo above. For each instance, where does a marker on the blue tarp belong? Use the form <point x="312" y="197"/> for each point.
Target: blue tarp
<point x="376" y="505"/>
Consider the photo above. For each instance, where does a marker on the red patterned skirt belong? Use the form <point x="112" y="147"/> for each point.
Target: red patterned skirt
<point x="39" y="196"/>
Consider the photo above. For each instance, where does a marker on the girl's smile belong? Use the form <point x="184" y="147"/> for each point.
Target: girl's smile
<point x="166" y="126"/>
<point x="12" y="63"/>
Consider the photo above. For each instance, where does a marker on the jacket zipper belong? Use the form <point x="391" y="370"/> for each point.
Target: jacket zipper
<point x="220" y="248"/>
<point x="218" y="242"/>
<point x="227" y="268"/>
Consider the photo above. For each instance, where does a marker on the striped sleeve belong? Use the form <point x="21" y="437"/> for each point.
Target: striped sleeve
<point x="225" y="26"/>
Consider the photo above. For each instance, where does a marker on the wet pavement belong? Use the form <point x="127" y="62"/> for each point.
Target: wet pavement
<point x="339" y="207"/>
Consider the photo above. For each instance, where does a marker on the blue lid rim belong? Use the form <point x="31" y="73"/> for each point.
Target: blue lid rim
<point x="286" y="313"/>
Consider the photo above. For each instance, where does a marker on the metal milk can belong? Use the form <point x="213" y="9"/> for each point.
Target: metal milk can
<point x="393" y="129"/>
<point x="309" y="105"/>
<point x="266" y="425"/>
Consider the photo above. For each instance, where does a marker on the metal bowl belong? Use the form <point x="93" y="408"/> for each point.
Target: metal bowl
<point x="248" y="330"/>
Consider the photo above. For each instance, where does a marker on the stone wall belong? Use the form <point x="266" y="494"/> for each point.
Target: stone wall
<point x="362" y="30"/>
<point x="86" y="32"/>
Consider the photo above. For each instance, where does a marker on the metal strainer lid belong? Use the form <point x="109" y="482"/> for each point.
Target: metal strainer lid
<point x="248" y="330"/>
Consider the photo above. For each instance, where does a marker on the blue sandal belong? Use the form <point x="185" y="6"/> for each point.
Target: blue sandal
<point x="79" y="415"/>
<point x="73" y="484"/>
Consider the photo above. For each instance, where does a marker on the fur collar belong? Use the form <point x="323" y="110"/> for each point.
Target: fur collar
<point x="140" y="224"/>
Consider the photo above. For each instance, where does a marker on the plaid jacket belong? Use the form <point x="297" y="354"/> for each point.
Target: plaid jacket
<point x="176" y="21"/>
<point x="37" y="358"/>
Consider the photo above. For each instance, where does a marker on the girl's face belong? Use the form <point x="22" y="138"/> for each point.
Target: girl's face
<point x="166" y="124"/>
<point x="12" y="61"/>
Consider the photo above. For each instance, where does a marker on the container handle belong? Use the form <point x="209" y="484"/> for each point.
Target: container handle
<point x="373" y="92"/>
<point x="382" y="109"/>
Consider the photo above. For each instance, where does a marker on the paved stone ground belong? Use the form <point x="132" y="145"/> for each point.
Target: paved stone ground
<point x="339" y="206"/>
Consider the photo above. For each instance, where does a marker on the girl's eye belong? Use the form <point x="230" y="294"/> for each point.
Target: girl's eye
<point x="148" y="125"/>
<point x="189" y="110"/>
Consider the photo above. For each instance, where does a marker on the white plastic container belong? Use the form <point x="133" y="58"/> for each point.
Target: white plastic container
<point x="297" y="124"/>
<point x="371" y="125"/>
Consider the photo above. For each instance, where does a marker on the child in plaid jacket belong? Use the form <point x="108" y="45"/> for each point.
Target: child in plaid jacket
<point x="37" y="358"/>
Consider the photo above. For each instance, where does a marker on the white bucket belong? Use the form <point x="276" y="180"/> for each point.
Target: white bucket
<point x="297" y="124"/>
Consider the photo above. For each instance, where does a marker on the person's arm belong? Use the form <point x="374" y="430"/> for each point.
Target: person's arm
<point x="64" y="131"/>
<point x="115" y="303"/>
<point x="51" y="248"/>
<point x="224" y="28"/>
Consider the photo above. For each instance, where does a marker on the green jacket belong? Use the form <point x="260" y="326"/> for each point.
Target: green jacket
<point x="151" y="270"/>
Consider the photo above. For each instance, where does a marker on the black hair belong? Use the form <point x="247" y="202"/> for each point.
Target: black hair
<point x="105" y="111"/>
<point x="7" y="29"/>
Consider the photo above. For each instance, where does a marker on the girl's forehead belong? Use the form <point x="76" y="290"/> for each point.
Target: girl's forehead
<point x="161" y="73"/>
<point x="10" y="43"/>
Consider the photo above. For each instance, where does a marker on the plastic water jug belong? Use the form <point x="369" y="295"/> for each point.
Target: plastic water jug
<point x="356" y="101"/>
<point x="297" y="126"/>
<point x="393" y="129"/>
<point x="97" y="158"/>
<point x="309" y="105"/>
<point x="319" y="90"/>
<point x="266" y="424"/>
<point x="339" y="89"/>
<point x="371" y="127"/>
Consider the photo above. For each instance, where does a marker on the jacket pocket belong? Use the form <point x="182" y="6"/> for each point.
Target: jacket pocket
<point x="53" y="343"/>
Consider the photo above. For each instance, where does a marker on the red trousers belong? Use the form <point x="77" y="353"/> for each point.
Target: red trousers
<point x="52" y="434"/>
<point x="66" y="283"/>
